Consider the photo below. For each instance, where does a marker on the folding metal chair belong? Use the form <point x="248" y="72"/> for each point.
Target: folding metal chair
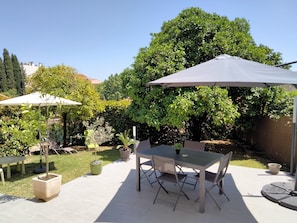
<point x="217" y="178"/>
<point x="165" y="170"/>
<point x="146" y="172"/>
<point x="194" y="145"/>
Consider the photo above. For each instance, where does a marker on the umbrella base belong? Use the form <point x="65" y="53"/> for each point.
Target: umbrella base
<point x="39" y="169"/>
<point x="281" y="193"/>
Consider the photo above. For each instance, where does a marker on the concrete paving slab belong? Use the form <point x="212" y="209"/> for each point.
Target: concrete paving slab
<point x="112" y="197"/>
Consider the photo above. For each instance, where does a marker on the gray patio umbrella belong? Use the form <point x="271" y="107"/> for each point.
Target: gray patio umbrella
<point x="225" y="70"/>
<point x="39" y="100"/>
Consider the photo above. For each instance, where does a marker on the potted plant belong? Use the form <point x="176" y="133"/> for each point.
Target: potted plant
<point x="177" y="147"/>
<point x="97" y="133"/>
<point x="126" y="141"/>
<point x="48" y="185"/>
<point x="274" y="168"/>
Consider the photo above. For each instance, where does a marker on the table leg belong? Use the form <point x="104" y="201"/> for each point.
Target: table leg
<point x="138" y="186"/>
<point x="202" y="191"/>
<point x="8" y="171"/>
<point x="23" y="167"/>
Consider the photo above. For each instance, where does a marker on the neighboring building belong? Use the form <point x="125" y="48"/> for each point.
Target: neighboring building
<point x="92" y="80"/>
<point x="30" y="68"/>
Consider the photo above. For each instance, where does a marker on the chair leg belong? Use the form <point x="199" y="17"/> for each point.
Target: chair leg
<point x="223" y="192"/>
<point x="161" y="186"/>
<point x="147" y="176"/>
<point x="180" y="191"/>
<point x="214" y="199"/>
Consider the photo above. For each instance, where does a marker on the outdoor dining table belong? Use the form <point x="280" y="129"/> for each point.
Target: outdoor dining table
<point x="13" y="159"/>
<point x="199" y="160"/>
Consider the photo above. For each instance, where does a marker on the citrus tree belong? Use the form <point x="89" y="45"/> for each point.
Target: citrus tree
<point x="191" y="38"/>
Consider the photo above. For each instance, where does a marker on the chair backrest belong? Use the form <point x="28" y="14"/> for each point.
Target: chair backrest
<point x="144" y="144"/>
<point x="223" y="166"/>
<point x="164" y="164"/>
<point x="188" y="144"/>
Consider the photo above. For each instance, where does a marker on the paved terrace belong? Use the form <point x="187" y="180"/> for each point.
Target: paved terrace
<point x="112" y="197"/>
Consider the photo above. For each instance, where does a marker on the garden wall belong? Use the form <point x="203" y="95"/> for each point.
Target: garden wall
<point x="274" y="138"/>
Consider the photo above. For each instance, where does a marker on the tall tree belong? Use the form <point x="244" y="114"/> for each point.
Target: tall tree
<point x="111" y="89"/>
<point x="23" y="83"/>
<point x="193" y="37"/>
<point x="3" y="86"/>
<point x="18" y="76"/>
<point x="62" y="81"/>
<point x="10" y="79"/>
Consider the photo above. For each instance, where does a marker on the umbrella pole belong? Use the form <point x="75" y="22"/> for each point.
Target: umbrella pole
<point x="293" y="145"/>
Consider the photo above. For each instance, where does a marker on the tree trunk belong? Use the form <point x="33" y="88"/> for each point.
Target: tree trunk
<point x="64" y="129"/>
<point x="195" y="131"/>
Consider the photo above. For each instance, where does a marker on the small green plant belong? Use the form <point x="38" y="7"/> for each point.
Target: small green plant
<point x="97" y="133"/>
<point x="125" y="140"/>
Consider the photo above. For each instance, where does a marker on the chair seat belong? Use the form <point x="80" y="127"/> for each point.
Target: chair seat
<point x="171" y="178"/>
<point x="165" y="170"/>
<point x="147" y="163"/>
<point x="209" y="176"/>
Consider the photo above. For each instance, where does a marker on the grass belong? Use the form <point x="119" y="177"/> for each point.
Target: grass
<point x="76" y="165"/>
<point x="251" y="162"/>
<point x="69" y="166"/>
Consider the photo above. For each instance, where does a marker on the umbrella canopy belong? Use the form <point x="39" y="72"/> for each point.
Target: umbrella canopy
<point x="225" y="70"/>
<point x="38" y="99"/>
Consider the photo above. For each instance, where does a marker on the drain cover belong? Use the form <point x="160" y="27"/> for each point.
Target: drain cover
<point x="282" y="193"/>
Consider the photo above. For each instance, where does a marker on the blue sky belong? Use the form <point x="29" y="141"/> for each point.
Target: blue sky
<point x="101" y="37"/>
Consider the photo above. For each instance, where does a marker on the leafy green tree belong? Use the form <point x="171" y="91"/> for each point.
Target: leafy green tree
<point x="19" y="131"/>
<point x="3" y="86"/>
<point x="10" y="79"/>
<point x="111" y="89"/>
<point x="62" y="81"/>
<point x="193" y="37"/>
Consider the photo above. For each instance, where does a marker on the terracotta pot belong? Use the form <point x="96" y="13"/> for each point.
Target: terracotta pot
<point x="125" y="154"/>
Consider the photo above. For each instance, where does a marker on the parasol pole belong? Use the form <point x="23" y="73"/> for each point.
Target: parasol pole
<point x="293" y="145"/>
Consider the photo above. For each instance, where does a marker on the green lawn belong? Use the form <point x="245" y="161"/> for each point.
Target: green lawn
<point x="77" y="164"/>
<point x="69" y="166"/>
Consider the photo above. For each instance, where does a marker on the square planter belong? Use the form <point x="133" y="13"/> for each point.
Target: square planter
<point x="47" y="189"/>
